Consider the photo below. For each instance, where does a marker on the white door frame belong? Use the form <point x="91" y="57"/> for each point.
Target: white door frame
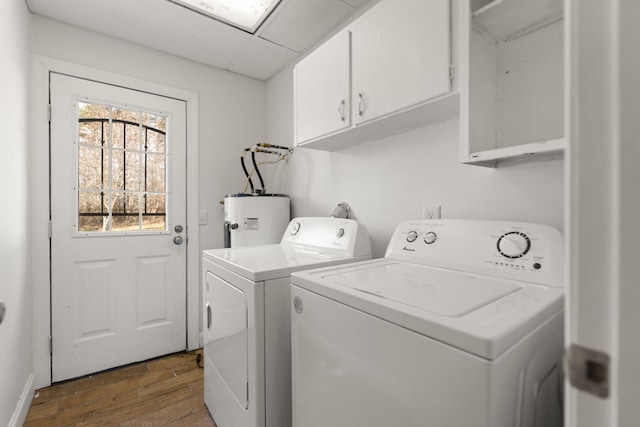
<point x="603" y="124"/>
<point x="41" y="67"/>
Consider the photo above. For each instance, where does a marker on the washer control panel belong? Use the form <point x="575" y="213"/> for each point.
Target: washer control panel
<point x="522" y="251"/>
<point x="429" y="238"/>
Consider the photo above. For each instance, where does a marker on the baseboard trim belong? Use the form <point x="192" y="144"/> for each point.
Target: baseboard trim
<point x="22" y="408"/>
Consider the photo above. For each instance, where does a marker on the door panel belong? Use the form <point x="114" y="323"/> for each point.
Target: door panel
<point x="117" y="194"/>
<point x="152" y="291"/>
<point x="94" y="311"/>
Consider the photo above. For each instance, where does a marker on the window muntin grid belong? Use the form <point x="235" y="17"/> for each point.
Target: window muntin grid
<point x="122" y="171"/>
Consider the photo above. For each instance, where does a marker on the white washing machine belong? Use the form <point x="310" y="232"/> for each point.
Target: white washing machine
<point x="461" y="324"/>
<point x="247" y="342"/>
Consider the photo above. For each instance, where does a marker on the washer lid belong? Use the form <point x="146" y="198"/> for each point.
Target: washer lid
<point x="478" y="314"/>
<point x="447" y="293"/>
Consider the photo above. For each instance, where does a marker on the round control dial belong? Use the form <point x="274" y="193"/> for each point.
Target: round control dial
<point x="430" y="237"/>
<point x="295" y="227"/>
<point x="412" y="236"/>
<point x="514" y="244"/>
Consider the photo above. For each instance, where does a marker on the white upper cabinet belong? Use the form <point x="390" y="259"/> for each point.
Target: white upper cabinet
<point x="321" y="90"/>
<point x="512" y="75"/>
<point x="401" y="57"/>
<point x="390" y="70"/>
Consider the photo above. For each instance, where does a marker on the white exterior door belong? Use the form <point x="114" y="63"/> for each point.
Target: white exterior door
<point x="118" y="215"/>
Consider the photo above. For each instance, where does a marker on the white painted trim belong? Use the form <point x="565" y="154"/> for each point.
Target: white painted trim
<point x="40" y="255"/>
<point x="41" y="66"/>
<point x="605" y="204"/>
<point x="193" y="230"/>
<point x="22" y="408"/>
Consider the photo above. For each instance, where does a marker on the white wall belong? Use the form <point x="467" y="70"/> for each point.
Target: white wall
<point x="15" y="286"/>
<point x="390" y="179"/>
<point x="232" y="114"/>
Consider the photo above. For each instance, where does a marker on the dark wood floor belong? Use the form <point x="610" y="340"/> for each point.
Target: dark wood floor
<point x="167" y="391"/>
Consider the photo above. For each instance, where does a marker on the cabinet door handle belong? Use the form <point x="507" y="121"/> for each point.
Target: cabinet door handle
<point x="360" y="104"/>
<point x="208" y="316"/>
<point x="341" y="110"/>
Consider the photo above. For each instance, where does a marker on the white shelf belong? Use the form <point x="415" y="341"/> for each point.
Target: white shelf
<point x="512" y="80"/>
<point x="490" y="157"/>
<point x="509" y="19"/>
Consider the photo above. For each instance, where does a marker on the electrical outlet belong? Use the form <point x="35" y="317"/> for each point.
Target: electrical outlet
<point x="430" y="212"/>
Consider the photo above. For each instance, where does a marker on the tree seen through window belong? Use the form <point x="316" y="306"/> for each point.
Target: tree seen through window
<point x="122" y="176"/>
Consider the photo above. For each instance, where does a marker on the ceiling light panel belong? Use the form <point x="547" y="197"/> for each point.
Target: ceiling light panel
<point x="244" y="14"/>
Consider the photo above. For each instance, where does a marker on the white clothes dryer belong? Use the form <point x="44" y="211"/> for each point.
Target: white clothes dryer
<point x="247" y="342"/>
<point x="461" y="324"/>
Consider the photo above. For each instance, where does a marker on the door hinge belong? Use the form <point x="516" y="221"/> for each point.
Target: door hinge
<point x="247" y="391"/>
<point x="50" y="229"/>
<point x="50" y="344"/>
<point x="452" y="71"/>
<point x="49" y="113"/>
<point x="588" y="370"/>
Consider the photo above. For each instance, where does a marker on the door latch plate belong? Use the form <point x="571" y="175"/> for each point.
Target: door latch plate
<point x="588" y="370"/>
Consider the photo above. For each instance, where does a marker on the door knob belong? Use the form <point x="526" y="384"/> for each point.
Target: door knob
<point x="178" y="228"/>
<point x="178" y="240"/>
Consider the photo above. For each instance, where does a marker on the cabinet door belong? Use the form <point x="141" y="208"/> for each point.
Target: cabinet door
<point x="400" y="56"/>
<point x="322" y="90"/>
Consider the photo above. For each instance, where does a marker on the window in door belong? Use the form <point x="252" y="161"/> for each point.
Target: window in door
<point x="121" y="169"/>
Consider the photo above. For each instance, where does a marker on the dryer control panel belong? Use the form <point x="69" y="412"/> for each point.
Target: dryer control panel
<point x="520" y="251"/>
<point x="339" y="236"/>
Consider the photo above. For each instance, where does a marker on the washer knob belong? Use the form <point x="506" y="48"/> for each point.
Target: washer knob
<point x="430" y="237"/>
<point x="514" y="244"/>
<point x="340" y="233"/>
<point x="295" y="227"/>
<point x="412" y="236"/>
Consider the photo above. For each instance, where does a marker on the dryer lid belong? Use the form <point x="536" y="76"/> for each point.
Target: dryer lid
<point x="267" y="262"/>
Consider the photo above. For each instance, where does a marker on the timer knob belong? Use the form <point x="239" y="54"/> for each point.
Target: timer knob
<point x="412" y="236"/>
<point x="295" y="227"/>
<point x="430" y="237"/>
<point x="514" y="244"/>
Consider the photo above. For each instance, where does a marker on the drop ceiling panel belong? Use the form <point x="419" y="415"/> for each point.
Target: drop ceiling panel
<point x="262" y="59"/>
<point x="300" y="24"/>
